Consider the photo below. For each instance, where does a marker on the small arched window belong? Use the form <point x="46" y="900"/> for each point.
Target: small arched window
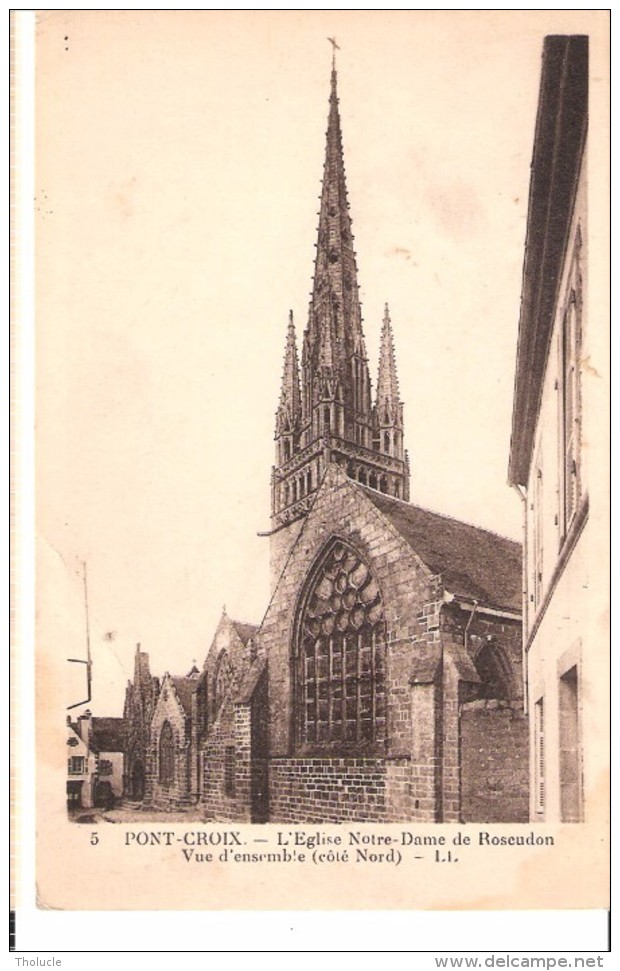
<point x="495" y="672"/>
<point x="386" y="441"/>
<point x="166" y="754"/>
<point x="223" y="681"/>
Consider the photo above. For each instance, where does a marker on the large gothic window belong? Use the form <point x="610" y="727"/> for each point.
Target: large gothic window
<point x="166" y="754"/>
<point x="341" y="656"/>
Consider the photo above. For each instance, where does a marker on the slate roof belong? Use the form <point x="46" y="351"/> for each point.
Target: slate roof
<point x="107" y="734"/>
<point x="245" y="631"/>
<point x="184" y="688"/>
<point x="473" y="562"/>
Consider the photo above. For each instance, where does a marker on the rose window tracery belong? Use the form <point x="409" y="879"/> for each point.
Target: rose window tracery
<point x="341" y="656"/>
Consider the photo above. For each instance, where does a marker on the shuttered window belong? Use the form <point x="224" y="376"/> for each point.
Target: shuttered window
<point x="539" y="756"/>
<point x="570" y="431"/>
<point x="538" y="514"/>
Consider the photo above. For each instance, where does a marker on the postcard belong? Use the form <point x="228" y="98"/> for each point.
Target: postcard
<point x="322" y="384"/>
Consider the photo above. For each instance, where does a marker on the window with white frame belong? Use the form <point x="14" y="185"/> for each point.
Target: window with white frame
<point x="77" y="765"/>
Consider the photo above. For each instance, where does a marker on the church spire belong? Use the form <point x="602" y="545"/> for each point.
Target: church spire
<point x="334" y="290"/>
<point x="331" y="418"/>
<point x="334" y="359"/>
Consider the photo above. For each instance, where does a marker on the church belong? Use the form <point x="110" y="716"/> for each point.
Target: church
<point x="384" y="683"/>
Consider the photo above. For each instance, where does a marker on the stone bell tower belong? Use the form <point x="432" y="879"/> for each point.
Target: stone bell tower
<point x="326" y="411"/>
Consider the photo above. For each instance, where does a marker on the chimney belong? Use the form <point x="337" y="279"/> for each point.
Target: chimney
<point x="84" y="726"/>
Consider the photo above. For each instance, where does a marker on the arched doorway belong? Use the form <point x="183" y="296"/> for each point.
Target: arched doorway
<point x="137" y="781"/>
<point x="104" y="795"/>
<point x="495" y="673"/>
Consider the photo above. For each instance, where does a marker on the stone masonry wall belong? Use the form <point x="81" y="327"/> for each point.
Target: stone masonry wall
<point x="494" y="763"/>
<point x="410" y="599"/>
<point x="327" y="790"/>
<point x="230" y="734"/>
<point x="472" y="789"/>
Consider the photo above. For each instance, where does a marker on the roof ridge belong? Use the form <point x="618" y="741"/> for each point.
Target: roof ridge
<point x="442" y="515"/>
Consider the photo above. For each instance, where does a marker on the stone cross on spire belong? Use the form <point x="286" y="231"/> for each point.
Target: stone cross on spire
<point x="335" y="47"/>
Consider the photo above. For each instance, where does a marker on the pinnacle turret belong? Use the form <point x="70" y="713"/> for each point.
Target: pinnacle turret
<point x="288" y="415"/>
<point x="388" y="400"/>
<point x="290" y="394"/>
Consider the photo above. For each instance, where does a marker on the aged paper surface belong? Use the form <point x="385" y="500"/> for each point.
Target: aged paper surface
<point x="179" y="156"/>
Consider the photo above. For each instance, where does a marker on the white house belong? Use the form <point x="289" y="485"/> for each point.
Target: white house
<point x="553" y="424"/>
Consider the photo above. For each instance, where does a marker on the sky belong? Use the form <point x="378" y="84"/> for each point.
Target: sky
<point x="179" y="157"/>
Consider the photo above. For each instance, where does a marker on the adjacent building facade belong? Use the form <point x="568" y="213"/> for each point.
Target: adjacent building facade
<point x="552" y="424"/>
<point x="95" y="763"/>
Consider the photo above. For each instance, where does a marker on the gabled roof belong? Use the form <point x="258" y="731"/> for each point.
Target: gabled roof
<point x="107" y="734"/>
<point x="474" y="563"/>
<point x="251" y="680"/>
<point x="244" y="631"/>
<point x="184" y="688"/>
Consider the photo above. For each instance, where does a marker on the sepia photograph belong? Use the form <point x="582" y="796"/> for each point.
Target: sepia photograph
<point x="322" y="482"/>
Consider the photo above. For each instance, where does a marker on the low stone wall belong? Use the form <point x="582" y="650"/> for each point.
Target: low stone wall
<point x="494" y="763"/>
